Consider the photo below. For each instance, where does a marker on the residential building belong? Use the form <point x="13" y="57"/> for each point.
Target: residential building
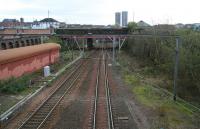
<point x="188" y="26"/>
<point x="142" y="24"/>
<point x="46" y="23"/>
<point x="196" y="26"/>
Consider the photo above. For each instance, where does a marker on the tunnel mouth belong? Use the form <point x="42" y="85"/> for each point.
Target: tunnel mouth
<point x="90" y="43"/>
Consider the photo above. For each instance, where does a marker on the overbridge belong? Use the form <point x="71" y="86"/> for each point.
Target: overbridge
<point x="91" y="31"/>
<point x="107" y="37"/>
<point x="89" y="36"/>
<point x="117" y="36"/>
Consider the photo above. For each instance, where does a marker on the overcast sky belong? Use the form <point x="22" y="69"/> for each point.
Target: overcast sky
<point x="102" y="11"/>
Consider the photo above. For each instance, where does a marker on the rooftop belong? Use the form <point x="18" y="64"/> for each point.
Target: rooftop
<point x="48" y="20"/>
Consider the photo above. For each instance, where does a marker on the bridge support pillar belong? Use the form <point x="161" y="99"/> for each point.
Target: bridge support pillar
<point x="83" y="40"/>
<point x="119" y="44"/>
<point x="114" y="42"/>
<point x="42" y="39"/>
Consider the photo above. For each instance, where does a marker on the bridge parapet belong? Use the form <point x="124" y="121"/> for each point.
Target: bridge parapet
<point x="92" y="31"/>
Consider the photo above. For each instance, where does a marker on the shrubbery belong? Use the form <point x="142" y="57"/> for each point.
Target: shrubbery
<point x="18" y="85"/>
<point x="15" y="85"/>
<point x="158" y="54"/>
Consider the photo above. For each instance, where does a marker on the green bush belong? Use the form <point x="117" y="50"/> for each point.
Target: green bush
<point x="14" y="85"/>
<point x="158" y="56"/>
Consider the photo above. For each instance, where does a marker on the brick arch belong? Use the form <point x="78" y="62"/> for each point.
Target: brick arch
<point x="22" y="43"/>
<point x="10" y="44"/>
<point x="17" y="44"/>
<point x="36" y="41"/>
<point x="32" y="42"/>
<point x="3" y="46"/>
<point x="27" y="42"/>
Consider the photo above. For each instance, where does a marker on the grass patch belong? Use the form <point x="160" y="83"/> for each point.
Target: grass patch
<point x="166" y="113"/>
<point x="131" y="79"/>
<point x="15" y="85"/>
<point x="152" y="97"/>
<point x="169" y="114"/>
<point x="6" y="103"/>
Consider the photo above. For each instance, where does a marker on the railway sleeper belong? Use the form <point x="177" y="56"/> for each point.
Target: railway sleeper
<point x="30" y="127"/>
<point x="48" y="105"/>
<point x="42" y="113"/>
<point x="34" y="122"/>
<point x="44" y="109"/>
<point x="36" y="119"/>
<point x="52" y="101"/>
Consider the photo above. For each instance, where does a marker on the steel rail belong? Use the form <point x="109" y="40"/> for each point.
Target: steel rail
<point x="72" y="84"/>
<point x="108" y="98"/>
<point x="50" y="97"/>
<point x="110" y="121"/>
<point x="96" y="96"/>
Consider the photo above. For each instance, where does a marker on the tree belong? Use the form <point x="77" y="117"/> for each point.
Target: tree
<point x="132" y="26"/>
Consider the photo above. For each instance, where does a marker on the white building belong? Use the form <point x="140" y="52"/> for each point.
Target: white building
<point x="179" y="25"/>
<point x="45" y="24"/>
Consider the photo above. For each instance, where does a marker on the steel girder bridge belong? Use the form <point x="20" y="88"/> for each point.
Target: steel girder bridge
<point x="116" y="35"/>
<point x="86" y="34"/>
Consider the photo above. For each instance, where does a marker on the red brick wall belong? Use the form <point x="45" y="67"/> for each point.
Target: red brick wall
<point x="28" y="65"/>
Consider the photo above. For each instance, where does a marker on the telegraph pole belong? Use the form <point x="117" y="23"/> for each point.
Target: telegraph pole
<point x="176" y="67"/>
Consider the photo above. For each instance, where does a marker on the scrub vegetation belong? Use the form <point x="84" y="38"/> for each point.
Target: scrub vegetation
<point x="157" y="56"/>
<point x="163" y="112"/>
<point x="18" y="85"/>
<point x="148" y="67"/>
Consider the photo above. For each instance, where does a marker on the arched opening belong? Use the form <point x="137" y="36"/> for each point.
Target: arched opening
<point x="90" y="43"/>
<point x="36" y="41"/>
<point x="27" y="42"/>
<point x="32" y="42"/>
<point x="17" y="44"/>
<point x="3" y="46"/>
<point x="22" y="43"/>
<point x="10" y="44"/>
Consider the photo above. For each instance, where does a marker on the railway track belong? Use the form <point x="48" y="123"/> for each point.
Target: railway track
<point x="108" y="96"/>
<point x="102" y="115"/>
<point x="40" y="115"/>
<point x="85" y="97"/>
